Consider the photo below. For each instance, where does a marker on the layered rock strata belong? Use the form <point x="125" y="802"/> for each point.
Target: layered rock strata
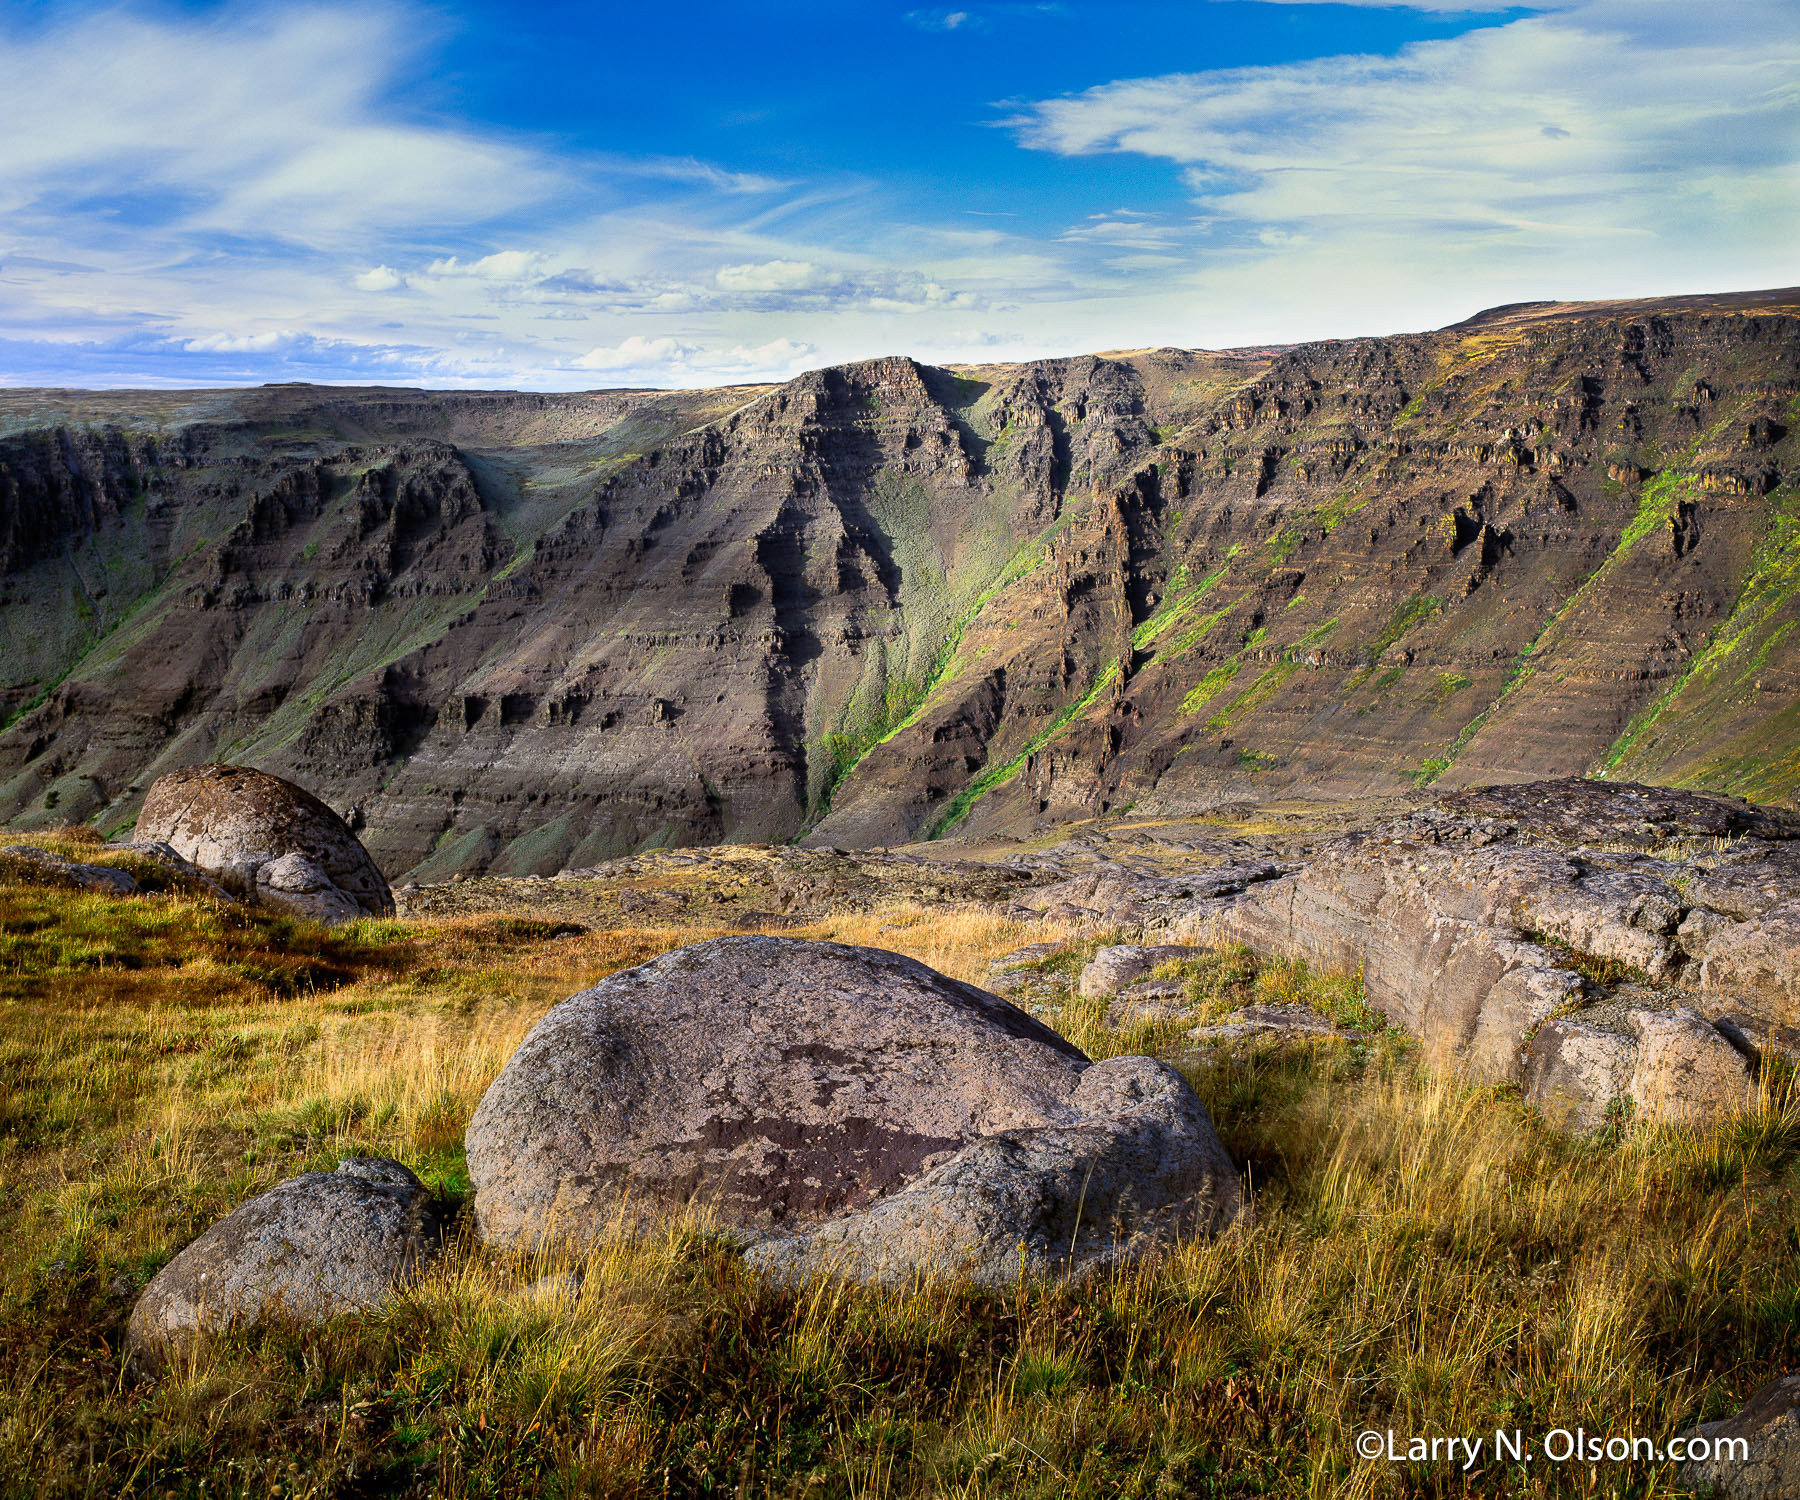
<point x="885" y="601"/>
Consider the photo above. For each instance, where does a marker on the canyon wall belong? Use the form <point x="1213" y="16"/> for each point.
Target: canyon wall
<point x="887" y="601"/>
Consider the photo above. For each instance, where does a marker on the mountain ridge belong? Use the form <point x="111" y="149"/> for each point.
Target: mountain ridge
<point x="888" y="600"/>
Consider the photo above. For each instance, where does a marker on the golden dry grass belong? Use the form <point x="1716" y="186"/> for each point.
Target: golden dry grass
<point x="1420" y="1255"/>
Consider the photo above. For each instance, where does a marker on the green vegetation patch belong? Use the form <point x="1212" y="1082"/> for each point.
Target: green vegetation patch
<point x="1407" y="617"/>
<point x="994" y="776"/>
<point x="1253" y="698"/>
<point x="1211" y="685"/>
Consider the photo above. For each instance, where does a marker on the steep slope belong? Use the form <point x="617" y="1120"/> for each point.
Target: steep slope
<point x="884" y="600"/>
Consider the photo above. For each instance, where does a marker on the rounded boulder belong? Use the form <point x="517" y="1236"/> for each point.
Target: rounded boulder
<point x="267" y="840"/>
<point x="781" y="1086"/>
<point x="314" y="1247"/>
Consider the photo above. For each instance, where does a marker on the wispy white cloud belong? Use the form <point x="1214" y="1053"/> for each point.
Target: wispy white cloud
<point x="268" y="125"/>
<point x="1510" y="154"/>
<point x="945" y="20"/>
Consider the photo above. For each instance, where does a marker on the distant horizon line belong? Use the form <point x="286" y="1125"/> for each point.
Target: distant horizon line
<point x="1538" y="310"/>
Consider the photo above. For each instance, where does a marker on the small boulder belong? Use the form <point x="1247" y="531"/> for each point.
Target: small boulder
<point x="51" y="868"/>
<point x="1112" y="968"/>
<point x="266" y="839"/>
<point x="781" y="1086"/>
<point x="1754" y="1455"/>
<point x="309" y="1249"/>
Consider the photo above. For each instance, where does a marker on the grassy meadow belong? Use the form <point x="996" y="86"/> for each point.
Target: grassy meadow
<point x="1419" y="1255"/>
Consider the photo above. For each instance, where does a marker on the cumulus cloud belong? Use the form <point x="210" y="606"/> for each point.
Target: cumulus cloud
<point x="775" y="276"/>
<point x="505" y="266"/>
<point x="637" y="353"/>
<point x="378" y="279"/>
<point x="245" y="343"/>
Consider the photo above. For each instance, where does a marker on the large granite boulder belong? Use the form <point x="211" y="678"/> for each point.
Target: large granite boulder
<point x="267" y="840"/>
<point x="314" y="1247"/>
<point x="781" y="1086"/>
<point x="1753" y="1455"/>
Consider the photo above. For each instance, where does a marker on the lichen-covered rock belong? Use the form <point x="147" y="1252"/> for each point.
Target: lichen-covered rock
<point x="1767" y="1464"/>
<point x="1112" y="968"/>
<point x="1666" y="1068"/>
<point x="778" y="1086"/>
<point x="1130" y="1162"/>
<point x="1757" y="964"/>
<point x="314" y="1247"/>
<point x="266" y="839"/>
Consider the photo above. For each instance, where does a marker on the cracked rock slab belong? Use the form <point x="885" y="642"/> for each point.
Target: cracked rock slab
<point x="1672" y="1067"/>
<point x="1757" y="963"/>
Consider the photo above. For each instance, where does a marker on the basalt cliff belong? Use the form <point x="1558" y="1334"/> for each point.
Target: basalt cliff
<point x="886" y="601"/>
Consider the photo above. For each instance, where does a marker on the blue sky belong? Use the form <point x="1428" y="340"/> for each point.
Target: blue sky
<point x="564" y="196"/>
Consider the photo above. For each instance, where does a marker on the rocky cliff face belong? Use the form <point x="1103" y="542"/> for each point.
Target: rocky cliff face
<point x="885" y="600"/>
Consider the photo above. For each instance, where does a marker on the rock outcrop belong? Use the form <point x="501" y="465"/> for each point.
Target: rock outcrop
<point x="786" y="1089"/>
<point x="314" y="1247"/>
<point x="1669" y="1067"/>
<point x="267" y="840"/>
<point x="1597" y="976"/>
